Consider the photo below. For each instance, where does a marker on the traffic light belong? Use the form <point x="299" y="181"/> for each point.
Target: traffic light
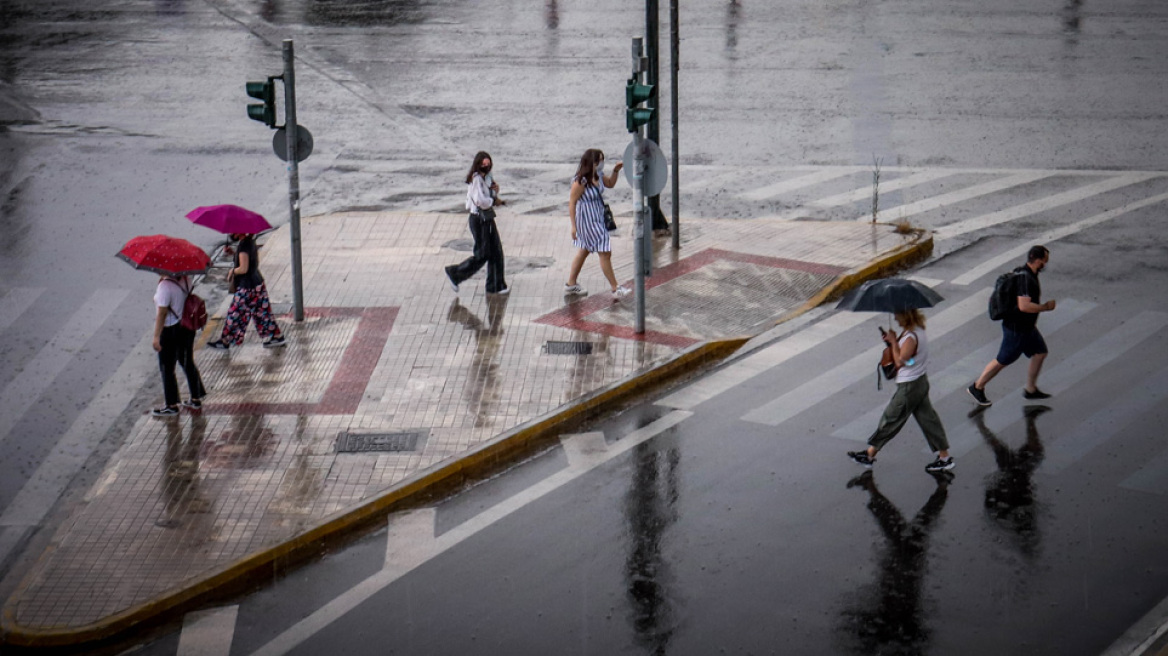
<point x="635" y="94"/>
<point x="266" y="112"/>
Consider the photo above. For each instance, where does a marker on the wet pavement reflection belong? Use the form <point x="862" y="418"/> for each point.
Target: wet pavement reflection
<point x="1010" y="503"/>
<point x="650" y="509"/>
<point x="888" y="617"/>
<point x="482" y="381"/>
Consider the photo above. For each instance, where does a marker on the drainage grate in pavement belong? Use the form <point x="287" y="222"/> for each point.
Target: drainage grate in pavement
<point x="380" y="442"/>
<point x="568" y="348"/>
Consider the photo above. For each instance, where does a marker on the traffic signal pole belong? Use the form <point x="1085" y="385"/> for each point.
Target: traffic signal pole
<point x="293" y="177"/>
<point x="652" y="30"/>
<point x="640" y="209"/>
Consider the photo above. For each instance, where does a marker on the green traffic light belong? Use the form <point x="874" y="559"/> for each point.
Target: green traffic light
<point x="265" y="91"/>
<point x="636" y="117"/>
<point x="636" y="94"/>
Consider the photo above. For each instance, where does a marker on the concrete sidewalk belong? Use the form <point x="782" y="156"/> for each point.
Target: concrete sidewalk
<point x="392" y="383"/>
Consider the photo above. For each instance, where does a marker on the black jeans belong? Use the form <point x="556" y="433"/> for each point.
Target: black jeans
<point x="178" y="347"/>
<point x="488" y="250"/>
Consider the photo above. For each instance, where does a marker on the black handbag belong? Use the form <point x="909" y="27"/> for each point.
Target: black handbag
<point x="487" y="214"/>
<point x="609" y="222"/>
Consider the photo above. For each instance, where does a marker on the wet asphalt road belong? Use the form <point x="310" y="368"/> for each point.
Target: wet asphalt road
<point x="120" y="117"/>
<point x="731" y="532"/>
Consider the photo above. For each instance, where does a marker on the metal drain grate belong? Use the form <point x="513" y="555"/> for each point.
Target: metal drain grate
<point x="380" y="442"/>
<point x="568" y="348"/>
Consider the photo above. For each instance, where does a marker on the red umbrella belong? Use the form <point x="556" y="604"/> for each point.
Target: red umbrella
<point x="169" y="256"/>
<point x="229" y="219"/>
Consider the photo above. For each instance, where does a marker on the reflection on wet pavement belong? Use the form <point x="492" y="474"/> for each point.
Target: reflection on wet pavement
<point x="888" y="617"/>
<point x="1010" y="503"/>
<point x="650" y="509"/>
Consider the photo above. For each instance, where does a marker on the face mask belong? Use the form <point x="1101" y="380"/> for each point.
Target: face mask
<point x="600" y="167"/>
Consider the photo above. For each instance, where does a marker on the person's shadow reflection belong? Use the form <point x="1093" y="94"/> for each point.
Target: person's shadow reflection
<point x="890" y="619"/>
<point x="482" y="392"/>
<point x="1009" y="496"/>
<point x="180" y="473"/>
<point x="650" y="508"/>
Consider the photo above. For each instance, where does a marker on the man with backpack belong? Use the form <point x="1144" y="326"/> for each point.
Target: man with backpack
<point x="1020" y="334"/>
<point x="174" y="339"/>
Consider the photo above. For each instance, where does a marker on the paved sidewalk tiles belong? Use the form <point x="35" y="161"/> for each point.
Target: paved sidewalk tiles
<point x="389" y="357"/>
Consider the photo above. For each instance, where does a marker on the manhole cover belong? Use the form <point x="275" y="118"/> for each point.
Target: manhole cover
<point x="568" y="348"/>
<point x="380" y="442"/>
<point x="460" y="245"/>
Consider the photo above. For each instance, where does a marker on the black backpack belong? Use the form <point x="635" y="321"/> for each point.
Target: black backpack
<point x="1004" y="298"/>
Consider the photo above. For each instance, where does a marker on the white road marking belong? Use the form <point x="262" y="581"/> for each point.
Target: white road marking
<point x="765" y="359"/>
<point x="22" y="393"/>
<point x="15" y="302"/>
<point x="787" y="186"/>
<point x="1040" y="205"/>
<point x="886" y="186"/>
<point x="1015" y="179"/>
<point x="208" y="632"/>
<point x="44" y="487"/>
<point x="410" y="540"/>
<point x="585" y="450"/>
<point x="1013" y="256"/>
<point x="861" y="366"/>
<point x="355" y="596"/>
<point x="1062" y="377"/>
<point x="958" y="376"/>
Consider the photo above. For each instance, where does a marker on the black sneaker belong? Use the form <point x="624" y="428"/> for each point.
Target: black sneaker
<point x="450" y="279"/>
<point x="978" y="395"/>
<point x="940" y="465"/>
<point x="165" y="411"/>
<point x="193" y="404"/>
<point x="218" y="344"/>
<point x="274" y="342"/>
<point x="1036" y="394"/>
<point x="861" y="458"/>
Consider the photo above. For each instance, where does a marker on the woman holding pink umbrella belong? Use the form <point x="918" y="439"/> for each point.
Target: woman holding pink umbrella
<point x="251" y="300"/>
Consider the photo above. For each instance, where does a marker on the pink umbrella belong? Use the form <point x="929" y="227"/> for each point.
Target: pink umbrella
<point x="229" y="219"/>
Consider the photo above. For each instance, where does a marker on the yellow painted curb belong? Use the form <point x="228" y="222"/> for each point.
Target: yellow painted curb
<point x="500" y="451"/>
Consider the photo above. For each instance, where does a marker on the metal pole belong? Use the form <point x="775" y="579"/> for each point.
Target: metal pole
<point x="652" y="32"/>
<point x="290" y="133"/>
<point x="674" y="48"/>
<point x="640" y="225"/>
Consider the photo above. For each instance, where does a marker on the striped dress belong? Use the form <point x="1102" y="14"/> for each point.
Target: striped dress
<point x="590" y="232"/>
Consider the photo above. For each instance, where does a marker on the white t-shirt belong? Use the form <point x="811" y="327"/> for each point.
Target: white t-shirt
<point x="910" y="372"/>
<point x="170" y="294"/>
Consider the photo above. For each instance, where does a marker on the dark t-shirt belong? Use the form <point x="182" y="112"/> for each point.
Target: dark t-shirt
<point x="1024" y="285"/>
<point x="252" y="278"/>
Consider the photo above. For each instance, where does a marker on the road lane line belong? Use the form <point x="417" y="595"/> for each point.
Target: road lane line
<point x="859" y="367"/>
<point x="15" y="302"/>
<point x="585" y="450"/>
<point x="58" y="468"/>
<point x="22" y="393"/>
<point x="410" y="539"/>
<point x="363" y="591"/>
<point x="1152" y="477"/>
<point x="961" y="195"/>
<point x="865" y="193"/>
<point x="765" y="359"/>
<point x="787" y="186"/>
<point x="958" y="376"/>
<point x="1040" y="205"/>
<point x="1012" y="256"/>
<point x="1077" y="366"/>
<point x="208" y="632"/>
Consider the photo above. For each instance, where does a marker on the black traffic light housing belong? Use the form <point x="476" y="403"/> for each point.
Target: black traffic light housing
<point x="635" y="94"/>
<point x="264" y="112"/>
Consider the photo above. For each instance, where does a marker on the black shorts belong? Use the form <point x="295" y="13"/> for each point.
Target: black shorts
<point x="1018" y="343"/>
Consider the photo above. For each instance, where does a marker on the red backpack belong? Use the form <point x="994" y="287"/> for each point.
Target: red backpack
<point x="194" y="314"/>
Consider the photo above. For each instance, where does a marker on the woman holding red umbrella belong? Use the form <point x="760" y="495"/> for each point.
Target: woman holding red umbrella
<point x="250" y="302"/>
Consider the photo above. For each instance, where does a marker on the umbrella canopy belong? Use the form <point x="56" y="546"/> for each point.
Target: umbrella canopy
<point x="229" y="219"/>
<point x="889" y="295"/>
<point x="169" y="256"/>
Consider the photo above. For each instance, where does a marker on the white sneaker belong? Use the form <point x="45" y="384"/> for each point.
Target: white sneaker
<point x="502" y="292"/>
<point x="620" y="292"/>
<point x="574" y="290"/>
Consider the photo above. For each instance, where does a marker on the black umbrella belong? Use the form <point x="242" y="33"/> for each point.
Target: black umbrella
<point x="889" y="295"/>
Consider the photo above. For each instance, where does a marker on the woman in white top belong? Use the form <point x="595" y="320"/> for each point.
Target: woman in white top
<point x="910" y="352"/>
<point x="482" y="195"/>
<point x="175" y="344"/>
<point x="586" y="212"/>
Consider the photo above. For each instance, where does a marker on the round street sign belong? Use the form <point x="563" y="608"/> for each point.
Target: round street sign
<point x="303" y="143"/>
<point x="656" y="167"/>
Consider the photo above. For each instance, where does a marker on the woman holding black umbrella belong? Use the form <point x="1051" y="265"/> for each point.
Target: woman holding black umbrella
<point x="910" y="353"/>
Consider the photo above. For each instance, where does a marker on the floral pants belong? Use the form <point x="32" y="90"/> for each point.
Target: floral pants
<point x="249" y="304"/>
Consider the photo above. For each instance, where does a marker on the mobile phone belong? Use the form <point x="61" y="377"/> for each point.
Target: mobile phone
<point x="881" y="330"/>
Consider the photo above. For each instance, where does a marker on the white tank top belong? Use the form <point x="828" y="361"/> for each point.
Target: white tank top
<point x="910" y="372"/>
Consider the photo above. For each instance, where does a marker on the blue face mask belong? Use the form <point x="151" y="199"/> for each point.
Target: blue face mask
<point x="600" y="167"/>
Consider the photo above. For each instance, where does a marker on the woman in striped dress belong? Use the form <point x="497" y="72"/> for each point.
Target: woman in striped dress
<point x="586" y="213"/>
